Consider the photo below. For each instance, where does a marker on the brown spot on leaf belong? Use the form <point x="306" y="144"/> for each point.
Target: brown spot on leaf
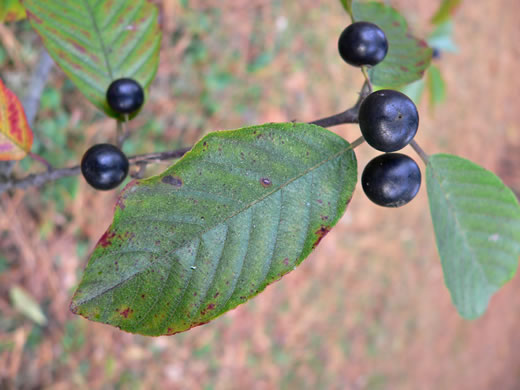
<point x="420" y="63"/>
<point x="286" y="261"/>
<point x="404" y="68"/>
<point x="120" y="203"/>
<point x="104" y="241"/>
<point x="125" y="313"/>
<point x="216" y="295"/>
<point x="422" y="43"/>
<point x="266" y="182"/>
<point x="321" y="232"/>
<point x="172" y="180"/>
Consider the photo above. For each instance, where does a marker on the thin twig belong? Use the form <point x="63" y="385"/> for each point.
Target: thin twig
<point x="36" y="180"/>
<point x="39" y="179"/>
<point x="367" y="78"/>
<point x="357" y="142"/>
<point x="422" y="154"/>
<point x="122" y="131"/>
<point x="41" y="160"/>
<point x="347" y="116"/>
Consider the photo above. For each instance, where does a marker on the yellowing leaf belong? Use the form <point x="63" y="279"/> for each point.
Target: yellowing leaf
<point x="16" y="136"/>
<point x="11" y="11"/>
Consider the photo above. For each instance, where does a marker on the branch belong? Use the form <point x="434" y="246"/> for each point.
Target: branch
<point x="347" y="116"/>
<point x="39" y="179"/>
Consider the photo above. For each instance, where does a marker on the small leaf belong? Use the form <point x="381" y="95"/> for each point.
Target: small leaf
<point x="16" y="136"/>
<point x="436" y="86"/>
<point x="234" y="215"/>
<point x="407" y="58"/>
<point x="442" y="37"/>
<point x="25" y="304"/>
<point x="96" y="42"/>
<point x="347" y="4"/>
<point x="414" y="90"/>
<point x="11" y="11"/>
<point x="476" y="219"/>
<point x="445" y="11"/>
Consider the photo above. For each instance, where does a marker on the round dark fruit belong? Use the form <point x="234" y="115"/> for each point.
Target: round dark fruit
<point x="391" y="180"/>
<point x="388" y="120"/>
<point x="104" y="166"/>
<point x="363" y="43"/>
<point x="125" y="96"/>
<point x="436" y="53"/>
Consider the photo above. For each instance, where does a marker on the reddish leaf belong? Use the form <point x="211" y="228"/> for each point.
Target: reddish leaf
<point x="16" y="136"/>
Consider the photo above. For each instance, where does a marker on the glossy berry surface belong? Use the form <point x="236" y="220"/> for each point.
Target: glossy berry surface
<point x="363" y="43"/>
<point x="125" y="96"/>
<point x="104" y="166"/>
<point x="388" y="120"/>
<point x="391" y="180"/>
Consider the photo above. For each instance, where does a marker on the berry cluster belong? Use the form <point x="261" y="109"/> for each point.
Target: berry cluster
<point x="104" y="166"/>
<point x="388" y="121"/>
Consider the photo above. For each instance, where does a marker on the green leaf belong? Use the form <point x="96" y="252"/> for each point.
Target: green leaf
<point x="25" y="304"/>
<point x="442" y="37"/>
<point x="414" y="90"/>
<point x="96" y="42"/>
<point x="347" y="4"/>
<point x="407" y="58"/>
<point x="436" y="86"/>
<point x="477" y="227"/>
<point x="445" y="11"/>
<point x="235" y="214"/>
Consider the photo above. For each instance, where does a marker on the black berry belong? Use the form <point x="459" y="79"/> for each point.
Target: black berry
<point x="125" y="96"/>
<point x="104" y="166"/>
<point x="388" y="120"/>
<point x="363" y="43"/>
<point x="391" y="180"/>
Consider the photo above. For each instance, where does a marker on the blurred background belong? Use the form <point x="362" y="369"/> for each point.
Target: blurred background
<point x="367" y="310"/>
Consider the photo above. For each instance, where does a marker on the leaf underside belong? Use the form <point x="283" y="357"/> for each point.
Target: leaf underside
<point x="235" y="214"/>
<point x="98" y="41"/>
<point x="408" y="57"/>
<point x="477" y="227"/>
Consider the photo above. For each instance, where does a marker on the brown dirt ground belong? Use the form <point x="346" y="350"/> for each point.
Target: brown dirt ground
<point x="368" y="309"/>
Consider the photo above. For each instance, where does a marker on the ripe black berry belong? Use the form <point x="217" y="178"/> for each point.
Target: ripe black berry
<point x="104" y="166"/>
<point x="363" y="43"/>
<point x="125" y="96"/>
<point x="391" y="180"/>
<point x="388" y="120"/>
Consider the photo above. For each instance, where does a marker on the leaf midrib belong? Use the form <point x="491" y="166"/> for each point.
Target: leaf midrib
<point x="90" y="12"/>
<point x="224" y="221"/>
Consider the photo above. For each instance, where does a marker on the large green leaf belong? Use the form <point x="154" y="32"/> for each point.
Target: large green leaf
<point x="477" y="226"/>
<point x="407" y="58"/>
<point x="98" y="41"/>
<point x="235" y="214"/>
